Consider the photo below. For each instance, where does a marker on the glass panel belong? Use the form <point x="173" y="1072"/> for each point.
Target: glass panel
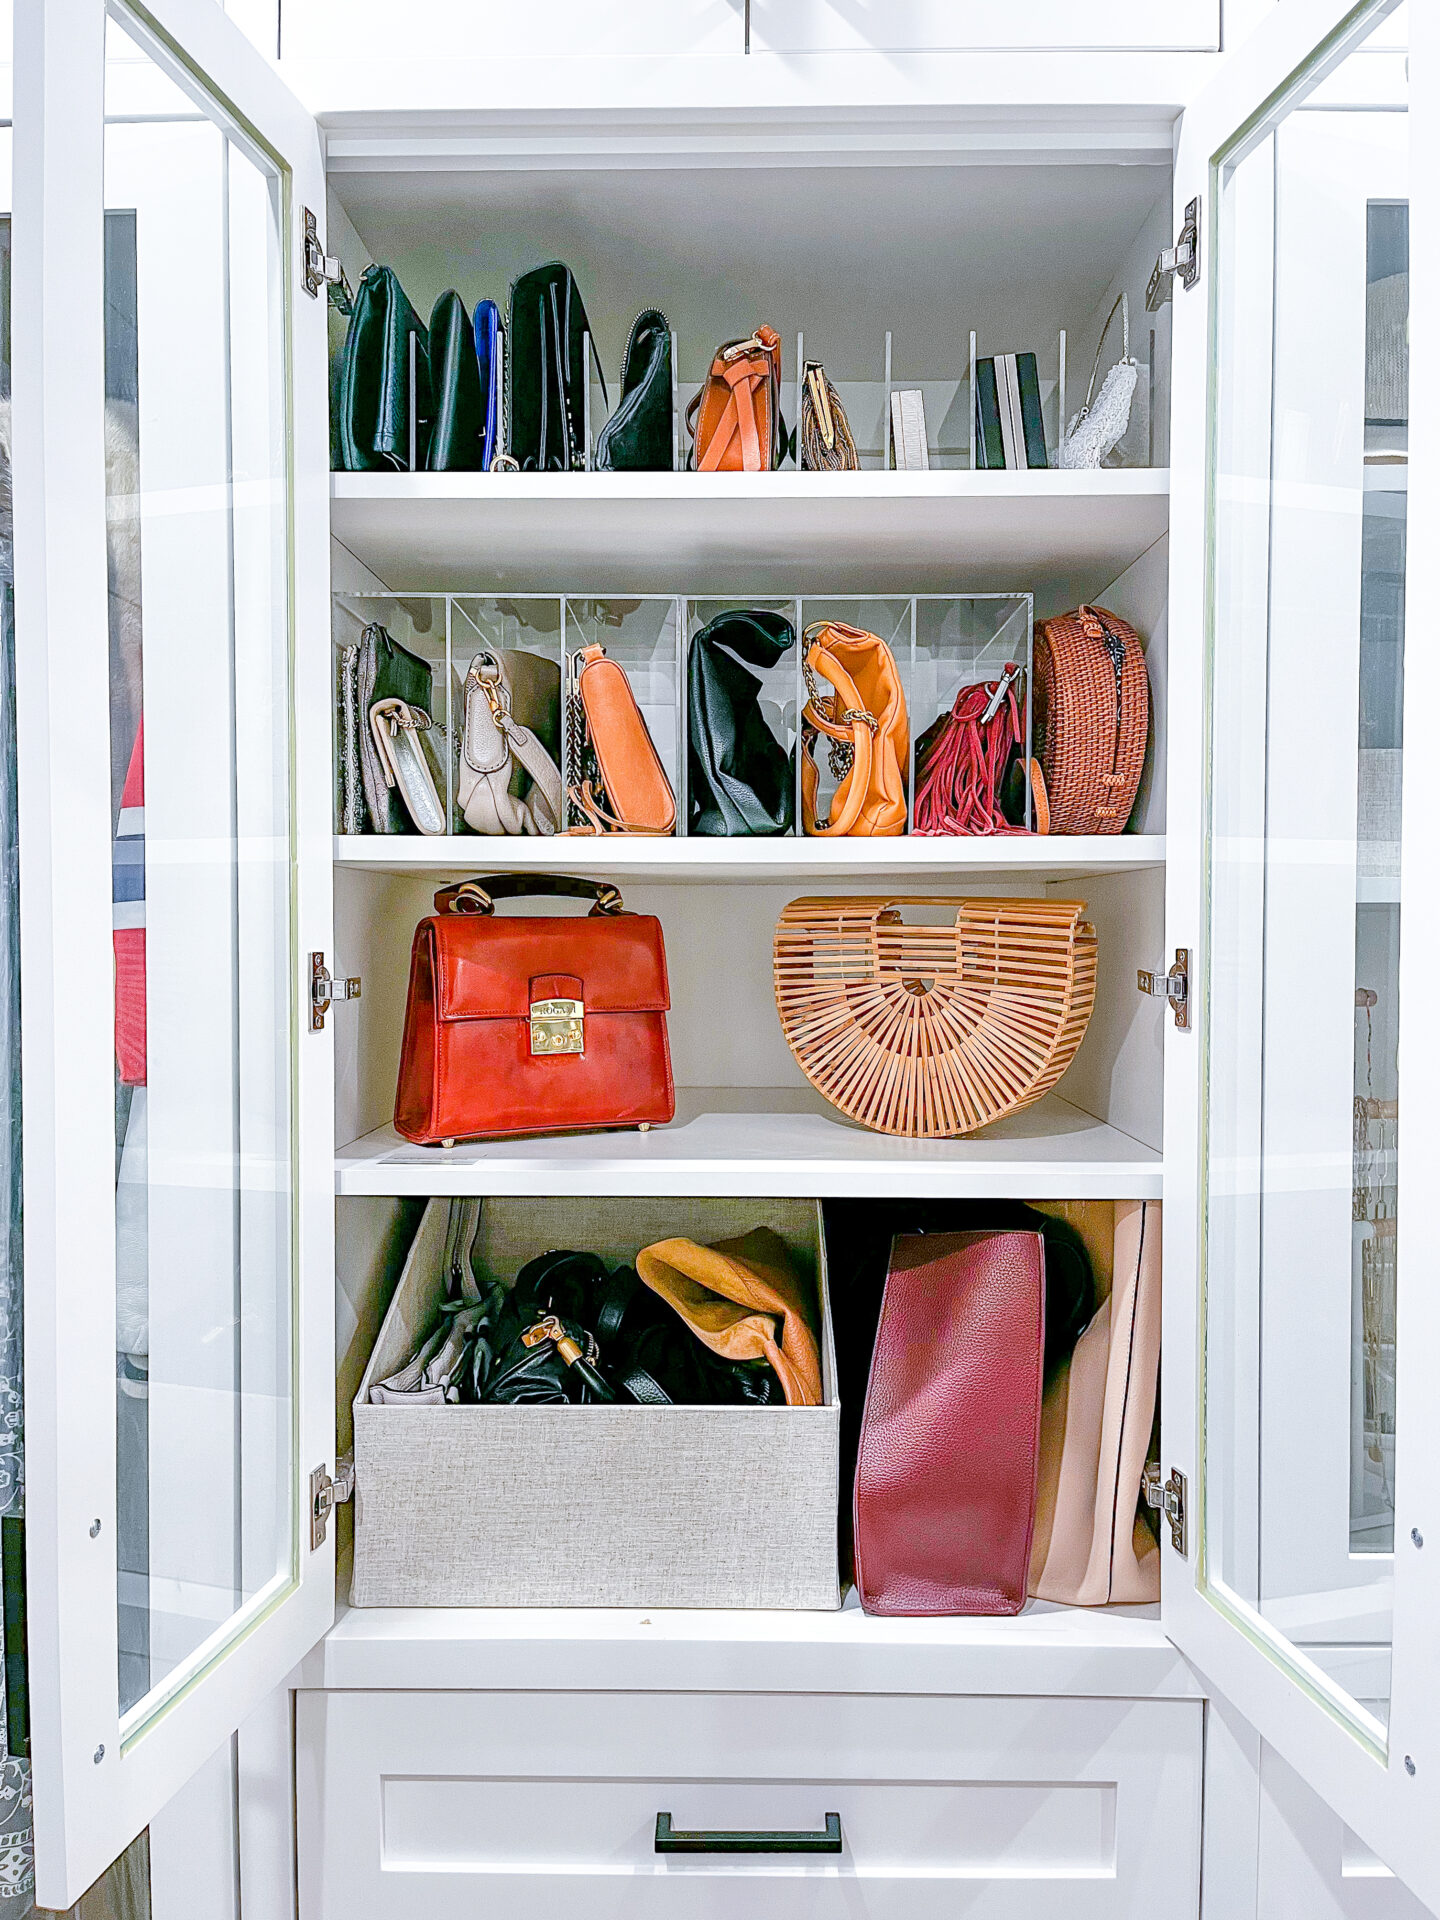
<point x="199" y="681"/>
<point x="1307" y="636"/>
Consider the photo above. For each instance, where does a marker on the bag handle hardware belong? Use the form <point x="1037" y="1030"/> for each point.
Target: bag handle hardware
<point x="479" y="896"/>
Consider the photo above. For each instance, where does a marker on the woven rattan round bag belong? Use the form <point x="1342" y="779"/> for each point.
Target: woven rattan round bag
<point x="932" y="1031"/>
<point x="1092" y="719"/>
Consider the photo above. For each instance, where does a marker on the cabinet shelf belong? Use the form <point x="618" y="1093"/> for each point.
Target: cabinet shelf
<point x="761" y="861"/>
<point x="773" y="1140"/>
<point x="1046" y="1650"/>
<point x="1064" y="536"/>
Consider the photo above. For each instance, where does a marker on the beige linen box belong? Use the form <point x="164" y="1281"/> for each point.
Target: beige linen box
<point x="595" y="1506"/>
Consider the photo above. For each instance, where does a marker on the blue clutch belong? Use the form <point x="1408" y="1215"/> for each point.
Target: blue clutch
<point x="490" y="353"/>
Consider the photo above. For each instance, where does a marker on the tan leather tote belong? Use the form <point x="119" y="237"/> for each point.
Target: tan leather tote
<point x="865" y="721"/>
<point x="1091" y="1546"/>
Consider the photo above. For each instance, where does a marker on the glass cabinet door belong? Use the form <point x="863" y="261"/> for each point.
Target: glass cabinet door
<point x="1307" y="681"/>
<point x="175" y="874"/>
<point x="1311" y="1074"/>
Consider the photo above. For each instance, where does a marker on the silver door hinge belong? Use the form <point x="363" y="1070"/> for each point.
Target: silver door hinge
<point x="324" y="990"/>
<point x="1173" y="986"/>
<point x="323" y="269"/>
<point x="1180" y="262"/>
<point x="326" y="1494"/>
<point x="1168" y="1497"/>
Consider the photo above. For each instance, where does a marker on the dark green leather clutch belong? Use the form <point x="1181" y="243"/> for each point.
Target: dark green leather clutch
<point x="373" y="399"/>
<point x="457" y="434"/>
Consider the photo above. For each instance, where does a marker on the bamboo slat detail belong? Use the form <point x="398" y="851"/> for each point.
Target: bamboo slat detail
<point x="933" y="1031"/>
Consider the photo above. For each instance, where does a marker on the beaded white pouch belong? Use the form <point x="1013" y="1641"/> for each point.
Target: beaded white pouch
<point x="1100" y="424"/>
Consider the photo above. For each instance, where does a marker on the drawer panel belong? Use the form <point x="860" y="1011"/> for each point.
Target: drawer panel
<point x="948" y="1828"/>
<point x="432" y="1806"/>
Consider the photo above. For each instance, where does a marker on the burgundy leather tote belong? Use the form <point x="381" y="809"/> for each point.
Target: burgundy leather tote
<point x="945" y="1482"/>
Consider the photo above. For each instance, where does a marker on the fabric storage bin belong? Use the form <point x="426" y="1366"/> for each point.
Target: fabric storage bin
<point x="600" y="1506"/>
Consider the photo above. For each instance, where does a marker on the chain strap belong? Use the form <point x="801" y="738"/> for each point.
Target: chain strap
<point x="827" y="705"/>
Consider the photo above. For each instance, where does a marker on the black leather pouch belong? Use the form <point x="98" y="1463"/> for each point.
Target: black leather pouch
<point x="639" y="437"/>
<point x="457" y="433"/>
<point x="545" y="371"/>
<point x="742" y="781"/>
<point x="373" y="398"/>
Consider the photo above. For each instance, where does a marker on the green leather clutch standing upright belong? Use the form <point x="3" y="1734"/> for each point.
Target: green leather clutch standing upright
<point x="639" y="437"/>
<point x="373" y="399"/>
<point x="457" y="433"/>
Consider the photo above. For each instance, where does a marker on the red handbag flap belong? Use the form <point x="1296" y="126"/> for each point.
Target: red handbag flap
<point x="484" y="966"/>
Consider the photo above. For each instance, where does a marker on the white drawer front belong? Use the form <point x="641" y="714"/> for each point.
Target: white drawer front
<point x="432" y="1806"/>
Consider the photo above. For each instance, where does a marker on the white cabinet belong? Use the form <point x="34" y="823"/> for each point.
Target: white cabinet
<point x="451" y="1758"/>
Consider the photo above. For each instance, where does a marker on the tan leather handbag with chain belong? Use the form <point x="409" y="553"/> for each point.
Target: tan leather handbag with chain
<point x="866" y="724"/>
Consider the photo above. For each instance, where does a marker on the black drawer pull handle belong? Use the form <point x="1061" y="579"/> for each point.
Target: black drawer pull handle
<point x="667" y="1840"/>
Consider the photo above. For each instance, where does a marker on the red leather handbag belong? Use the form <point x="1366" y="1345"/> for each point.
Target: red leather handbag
<point x="533" y="1025"/>
<point x="945" y="1481"/>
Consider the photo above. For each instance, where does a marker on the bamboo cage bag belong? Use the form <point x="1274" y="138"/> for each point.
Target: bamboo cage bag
<point x="933" y="1031"/>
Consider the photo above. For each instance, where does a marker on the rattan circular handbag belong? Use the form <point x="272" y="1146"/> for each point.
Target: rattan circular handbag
<point x="1091" y="717"/>
<point x="932" y="1031"/>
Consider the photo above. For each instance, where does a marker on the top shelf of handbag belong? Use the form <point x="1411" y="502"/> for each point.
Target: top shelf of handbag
<point x="870" y="318"/>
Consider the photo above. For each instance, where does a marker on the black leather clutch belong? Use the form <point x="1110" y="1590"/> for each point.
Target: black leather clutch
<point x="639" y="437"/>
<point x="545" y="371"/>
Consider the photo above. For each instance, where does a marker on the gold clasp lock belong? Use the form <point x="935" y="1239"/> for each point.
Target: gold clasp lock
<point x="557" y="1026"/>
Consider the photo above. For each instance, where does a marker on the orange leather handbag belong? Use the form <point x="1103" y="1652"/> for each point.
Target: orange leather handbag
<point x="543" y="1025"/>
<point x="617" y="784"/>
<point x="865" y="721"/>
<point x="734" y="420"/>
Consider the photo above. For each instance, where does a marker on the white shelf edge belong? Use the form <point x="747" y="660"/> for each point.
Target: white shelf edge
<point x="765" y="1141"/>
<point x="757" y="860"/>
<point x="961" y="483"/>
<point x="1045" y="1650"/>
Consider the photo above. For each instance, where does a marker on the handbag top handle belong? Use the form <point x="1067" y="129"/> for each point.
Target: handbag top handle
<point x="1122" y="307"/>
<point x="479" y="896"/>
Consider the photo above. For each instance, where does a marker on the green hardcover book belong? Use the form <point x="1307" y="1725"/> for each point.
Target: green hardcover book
<point x="989" y="445"/>
<point x="1031" y="417"/>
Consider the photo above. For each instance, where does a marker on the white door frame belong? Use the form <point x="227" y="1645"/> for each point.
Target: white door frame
<point x="1378" y="1797"/>
<point x="93" y="1791"/>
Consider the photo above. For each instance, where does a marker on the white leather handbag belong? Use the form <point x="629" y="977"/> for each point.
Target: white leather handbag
<point x="508" y="782"/>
